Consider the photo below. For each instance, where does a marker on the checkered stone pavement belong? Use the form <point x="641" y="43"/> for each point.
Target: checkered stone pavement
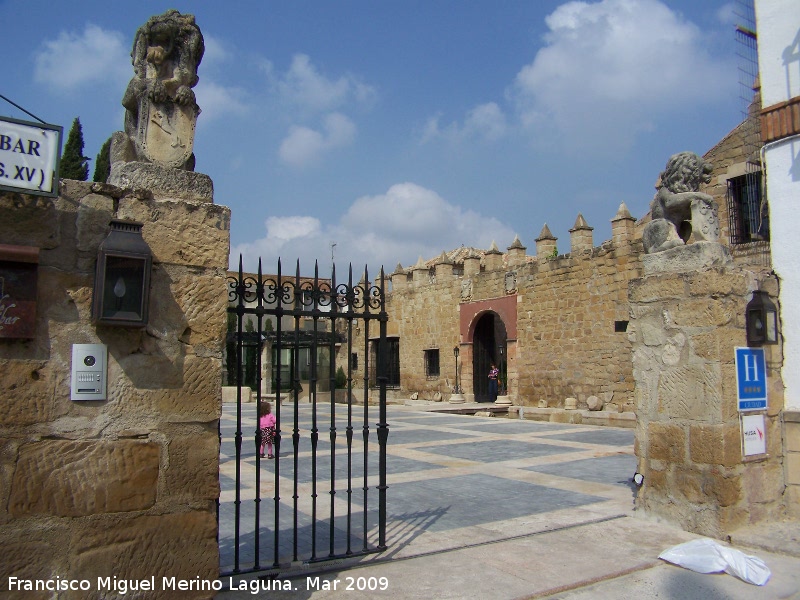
<point x="454" y="480"/>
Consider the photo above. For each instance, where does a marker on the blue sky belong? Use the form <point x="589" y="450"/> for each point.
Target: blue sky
<point x="398" y="128"/>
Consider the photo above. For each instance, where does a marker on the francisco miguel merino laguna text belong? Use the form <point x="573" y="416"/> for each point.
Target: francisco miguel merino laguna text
<point x="123" y="586"/>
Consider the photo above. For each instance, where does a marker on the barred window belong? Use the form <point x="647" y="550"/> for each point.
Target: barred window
<point x="748" y="215"/>
<point x="392" y="363"/>
<point x="432" y="363"/>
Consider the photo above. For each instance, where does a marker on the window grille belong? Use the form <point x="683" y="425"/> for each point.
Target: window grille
<point x="432" y="363"/>
<point x="392" y="363"/>
<point x="748" y="217"/>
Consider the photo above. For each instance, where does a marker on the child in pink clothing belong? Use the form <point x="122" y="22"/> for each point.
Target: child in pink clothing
<point x="266" y="426"/>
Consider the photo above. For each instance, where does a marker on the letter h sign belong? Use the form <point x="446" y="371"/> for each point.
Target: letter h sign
<point x="751" y="379"/>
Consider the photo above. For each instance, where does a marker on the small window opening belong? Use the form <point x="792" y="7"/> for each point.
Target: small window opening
<point x="432" y="363"/>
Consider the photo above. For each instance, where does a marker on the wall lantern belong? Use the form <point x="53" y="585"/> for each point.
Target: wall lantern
<point x="122" y="277"/>
<point x="761" y="318"/>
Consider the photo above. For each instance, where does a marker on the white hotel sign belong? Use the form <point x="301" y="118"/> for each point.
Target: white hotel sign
<point x="29" y="157"/>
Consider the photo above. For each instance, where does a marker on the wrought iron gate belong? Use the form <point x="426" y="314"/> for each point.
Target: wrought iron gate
<point x="296" y="320"/>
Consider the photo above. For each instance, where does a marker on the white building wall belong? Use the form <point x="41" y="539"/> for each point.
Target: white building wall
<point x="778" y="28"/>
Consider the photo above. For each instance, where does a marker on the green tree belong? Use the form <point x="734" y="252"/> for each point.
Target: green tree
<point x="341" y="379"/>
<point x="102" y="164"/>
<point x="74" y="165"/>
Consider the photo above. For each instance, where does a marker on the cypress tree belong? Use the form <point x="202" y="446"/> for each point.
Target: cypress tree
<point x="102" y="164"/>
<point x="74" y="165"/>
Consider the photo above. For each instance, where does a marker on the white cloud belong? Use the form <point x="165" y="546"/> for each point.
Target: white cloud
<point x="216" y="51"/>
<point x="727" y="14"/>
<point x="215" y="99"/>
<point x="398" y="226"/>
<point x="315" y="103"/>
<point x="610" y="68"/>
<point x="485" y="121"/>
<point x="303" y="145"/>
<point x="75" y="60"/>
<point x="304" y="87"/>
<point x="282" y="233"/>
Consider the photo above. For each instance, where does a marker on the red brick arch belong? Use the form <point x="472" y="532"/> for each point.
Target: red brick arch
<point x="471" y="312"/>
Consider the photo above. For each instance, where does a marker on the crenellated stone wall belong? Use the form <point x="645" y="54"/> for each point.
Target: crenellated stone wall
<point x="568" y="319"/>
<point x="564" y="316"/>
<point x="124" y="487"/>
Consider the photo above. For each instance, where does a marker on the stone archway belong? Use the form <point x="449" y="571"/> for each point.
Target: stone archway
<point x="489" y="346"/>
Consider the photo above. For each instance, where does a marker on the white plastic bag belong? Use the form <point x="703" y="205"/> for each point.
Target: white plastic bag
<point x="708" y="556"/>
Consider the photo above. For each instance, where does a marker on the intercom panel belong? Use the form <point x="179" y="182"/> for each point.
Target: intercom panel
<point x="89" y="371"/>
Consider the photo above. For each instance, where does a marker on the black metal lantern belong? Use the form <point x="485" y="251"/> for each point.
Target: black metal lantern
<point x="455" y="353"/>
<point x="761" y="318"/>
<point x="122" y="277"/>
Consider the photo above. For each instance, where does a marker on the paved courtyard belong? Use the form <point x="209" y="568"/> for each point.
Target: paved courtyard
<point x="454" y="481"/>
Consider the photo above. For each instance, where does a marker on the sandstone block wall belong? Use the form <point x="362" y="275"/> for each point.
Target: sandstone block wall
<point x="568" y="345"/>
<point x="124" y="487"/>
<point x="684" y="330"/>
<point x="425" y="316"/>
<point x="791" y="433"/>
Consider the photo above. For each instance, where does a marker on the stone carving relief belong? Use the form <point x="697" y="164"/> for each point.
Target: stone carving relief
<point x="466" y="290"/>
<point x="511" y="282"/>
<point x="678" y="209"/>
<point x="161" y="110"/>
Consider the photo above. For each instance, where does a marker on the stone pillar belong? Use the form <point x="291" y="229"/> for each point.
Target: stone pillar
<point x="516" y="253"/>
<point x="622" y="226"/>
<point x="493" y="259"/>
<point x="472" y="264"/>
<point x="123" y="482"/>
<point x="465" y="380"/>
<point x="791" y="435"/>
<point x="546" y="243"/>
<point x="687" y="319"/>
<point x="580" y="235"/>
<point x="512" y="371"/>
<point x="443" y="267"/>
<point x="399" y="278"/>
<point x="420" y="274"/>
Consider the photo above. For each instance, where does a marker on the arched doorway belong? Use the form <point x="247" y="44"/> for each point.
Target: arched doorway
<point x="488" y="346"/>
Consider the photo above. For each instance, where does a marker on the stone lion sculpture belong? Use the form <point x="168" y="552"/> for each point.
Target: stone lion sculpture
<point x="679" y="210"/>
<point x="161" y="110"/>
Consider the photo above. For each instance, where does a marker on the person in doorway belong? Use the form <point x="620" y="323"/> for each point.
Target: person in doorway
<point x="494" y="372"/>
<point x="266" y="426"/>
